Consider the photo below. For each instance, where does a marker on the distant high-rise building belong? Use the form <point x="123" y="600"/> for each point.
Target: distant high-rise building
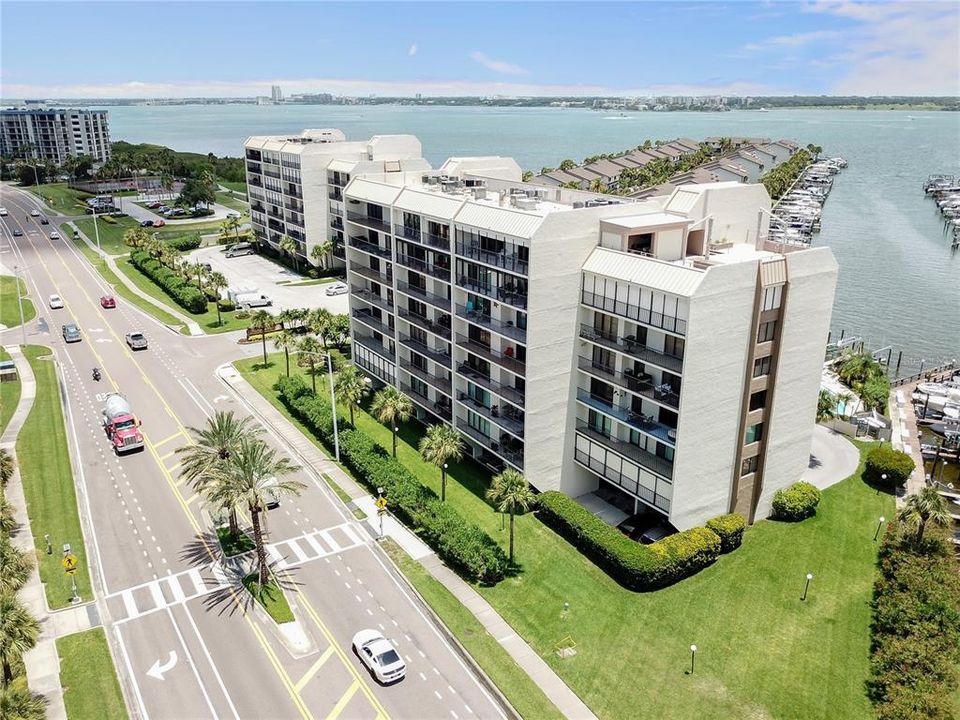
<point x="54" y="133"/>
<point x="276" y="94"/>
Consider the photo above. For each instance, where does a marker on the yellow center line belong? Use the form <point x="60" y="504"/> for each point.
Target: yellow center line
<point x="342" y="702"/>
<point x="308" y="676"/>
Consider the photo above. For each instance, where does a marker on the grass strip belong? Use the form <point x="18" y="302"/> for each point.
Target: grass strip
<point x="9" y="396"/>
<point x="270" y="597"/>
<point x="91" y="690"/>
<point x="48" y="485"/>
<point x="342" y="494"/>
<point x="9" y="307"/>
<point x="60" y="197"/>
<point x="234" y="545"/>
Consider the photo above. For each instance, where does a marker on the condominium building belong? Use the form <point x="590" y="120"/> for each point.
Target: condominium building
<point x="662" y="353"/>
<point x="53" y="134"/>
<point x="295" y="183"/>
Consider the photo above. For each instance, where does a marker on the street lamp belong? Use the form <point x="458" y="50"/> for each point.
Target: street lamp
<point x="879" y="525"/>
<point x="693" y="658"/>
<point x="333" y="404"/>
<point x="23" y="325"/>
<point x="96" y="231"/>
<point x="806" y="587"/>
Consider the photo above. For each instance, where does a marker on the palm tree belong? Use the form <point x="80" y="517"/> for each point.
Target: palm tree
<point x="7" y="466"/>
<point x="286" y="340"/>
<point x="18" y="633"/>
<point x="18" y="703"/>
<point x="339" y="329"/>
<point x="231" y="224"/>
<point x="319" y="321"/>
<point x="925" y="506"/>
<point x="253" y="471"/>
<point x="213" y="446"/>
<point x="440" y="445"/>
<point x="392" y="406"/>
<point x="826" y="406"/>
<point x="351" y="388"/>
<point x="217" y="281"/>
<point x="511" y="493"/>
<point x="289" y="246"/>
<point x="16" y="566"/>
<point x="310" y="349"/>
<point x="845" y="399"/>
<point x="320" y="253"/>
<point x="264" y="322"/>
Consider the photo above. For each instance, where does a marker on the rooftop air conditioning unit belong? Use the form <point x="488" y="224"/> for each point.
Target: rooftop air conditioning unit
<point x="432" y="180"/>
<point x="425" y="179"/>
<point x="542" y="193"/>
<point x="531" y="192"/>
<point x="578" y="204"/>
<point x="525" y="203"/>
<point x="480" y="193"/>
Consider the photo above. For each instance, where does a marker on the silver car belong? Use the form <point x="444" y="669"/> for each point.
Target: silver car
<point x="136" y="340"/>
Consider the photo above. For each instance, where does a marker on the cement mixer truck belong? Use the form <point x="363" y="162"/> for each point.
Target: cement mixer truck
<point x="121" y="425"/>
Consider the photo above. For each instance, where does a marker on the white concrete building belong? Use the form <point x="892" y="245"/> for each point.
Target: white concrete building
<point x="295" y="182"/>
<point x="54" y="134"/>
<point x="661" y="352"/>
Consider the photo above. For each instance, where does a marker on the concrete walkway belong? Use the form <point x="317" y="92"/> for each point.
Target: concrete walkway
<point x="832" y="458"/>
<point x="42" y="662"/>
<point x="565" y="700"/>
<point x="906" y="437"/>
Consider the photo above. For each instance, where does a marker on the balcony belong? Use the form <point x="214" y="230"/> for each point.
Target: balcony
<point x="644" y="316"/>
<point x="441" y="273"/>
<point x="339" y="251"/>
<point x="258" y="207"/>
<point x="275" y="213"/>
<point x="369" y="221"/>
<point x="511" y="297"/>
<point x="507" y="419"/>
<point x="375" y="345"/>
<point x="426" y="323"/>
<point x="369" y="247"/>
<point x="632" y="486"/>
<point x="507" y="261"/>
<point x="368" y="296"/>
<point x="335" y="194"/>
<point x="438" y="356"/>
<point x="639" y="384"/>
<point x="514" y="457"/>
<point x="441" y="410"/>
<point x="413" y="291"/>
<point x="423" y="238"/>
<point x="506" y="360"/>
<point x="336" y="223"/>
<point x="498" y="326"/>
<point x="294" y="205"/>
<point x="386" y="375"/>
<point x="372" y="274"/>
<point x="441" y="383"/>
<point x="644" y="423"/>
<point x="254" y="180"/>
<point x="511" y="394"/>
<point x="367" y="318"/>
<point x="653" y="463"/>
<point x="631" y="347"/>
<point x="271" y="173"/>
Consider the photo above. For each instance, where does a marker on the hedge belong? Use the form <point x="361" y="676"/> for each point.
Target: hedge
<point x="884" y="460"/>
<point x="635" y="566"/>
<point x="184" y="243"/>
<point x="729" y="528"/>
<point x="797" y="502"/>
<point x="184" y="293"/>
<point x="460" y="544"/>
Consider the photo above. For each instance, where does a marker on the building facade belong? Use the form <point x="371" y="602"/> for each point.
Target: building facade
<point x="54" y="134"/>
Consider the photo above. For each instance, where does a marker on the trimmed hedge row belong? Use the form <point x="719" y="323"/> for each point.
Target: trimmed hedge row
<point x="635" y="566"/>
<point x="460" y="544"/>
<point x="729" y="528"/>
<point x="884" y="460"/>
<point x="795" y="503"/>
<point x="183" y="293"/>
<point x="184" y="243"/>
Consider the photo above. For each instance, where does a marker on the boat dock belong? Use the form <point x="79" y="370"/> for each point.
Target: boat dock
<point x="796" y="216"/>
<point x="945" y="190"/>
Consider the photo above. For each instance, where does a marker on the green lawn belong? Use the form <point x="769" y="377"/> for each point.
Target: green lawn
<point x="111" y="234"/>
<point x="60" y="197"/>
<point x="746" y="606"/>
<point x="9" y="396"/>
<point x="48" y="484"/>
<point x="271" y="597"/>
<point x="240" y="187"/>
<point x="9" y="308"/>
<point x="89" y="679"/>
<point x="233" y="202"/>
<point x="234" y="546"/>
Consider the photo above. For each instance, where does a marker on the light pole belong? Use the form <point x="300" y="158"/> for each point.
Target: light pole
<point x="23" y="325"/>
<point x="96" y="231"/>
<point x="693" y="658"/>
<point x="806" y="587"/>
<point x="336" y="432"/>
<point x="879" y="525"/>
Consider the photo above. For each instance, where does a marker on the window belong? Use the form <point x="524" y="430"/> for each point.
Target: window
<point x="758" y="400"/>
<point x="754" y="434"/>
<point x="767" y="331"/>
<point x="749" y="465"/>
<point x="673" y="346"/>
<point x="761" y="367"/>
<point x="772" y="296"/>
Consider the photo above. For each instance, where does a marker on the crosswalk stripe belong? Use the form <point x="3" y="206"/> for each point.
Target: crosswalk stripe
<point x="351" y="533"/>
<point x="197" y="580"/>
<point x="329" y="540"/>
<point x="319" y="549"/>
<point x="276" y="556"/>
<point x="301" y="555"/>
<point x="130" y="604"/>
<point x="157" y="594"/>
<point x="178" y="595"/>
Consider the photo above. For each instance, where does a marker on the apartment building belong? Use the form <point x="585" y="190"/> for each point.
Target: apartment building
<point x="54" y="134"/>
<point x="661" y="352"/>
<point x="295" y="182"/>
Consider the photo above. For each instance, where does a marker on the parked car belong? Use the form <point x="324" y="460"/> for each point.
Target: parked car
<point x="233" y="214"/>
<point x="271" y="498"/>
<point x="71" y="333"/>
<point x="146" y="223"/>
<point x="657" y="532"/>
<point x="239" y="249"/>
<point x="56" y="302"/>
<point x="251" y="300"/>
<point x="108" y="301"/>
<point x="337" y="288"/>
<point x="159" y="223"/>
<point x="379" y="656"/>
<point x="54" y="235"/>
<point x="155" y="205"/>
<point x="44" y="221"/>
<point x="136" y="340"/>
<point x="34" y="213"/>
<point x="17" y="232"/>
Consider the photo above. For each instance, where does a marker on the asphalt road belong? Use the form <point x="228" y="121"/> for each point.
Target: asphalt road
<point x="184" y="638"/>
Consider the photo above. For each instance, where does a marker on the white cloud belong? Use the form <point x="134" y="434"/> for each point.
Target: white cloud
<point x="412" y="51"/>
<point x="791" y="41"/>
<point x="498" y="65"/>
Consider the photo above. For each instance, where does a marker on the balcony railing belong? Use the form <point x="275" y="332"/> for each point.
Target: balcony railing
<point x="339" y="251"/>
<point x="631" y="347"/>
<point x="441" y="410"/>
<point x="441" y="273"/>
<point x="336" y="223"/>
<point x="441" y="383"/>
<point x="368" y="247"/>
<point x="514" y="457"/>
<point x="373" y="344"/>
<point x="645" y="316"/>
<point x="254" y="180"/>
<point x="506" y="360"/>
<point x="507" y="261"/>
<point x="335" y="194"/>
<point x="367" y="318"/>
<point x="413" y="291"/>
<point x="426" y="323"/>
<point x="423" y="238"/>
<point x="383" y="373"/>
<point x="511" y="394"/>
<point x="493" y="413"/>
<point x="629" y="484"/>
<point x="371" y="297"/>
<point x="372" y="274"/>
<point x="638" y="421"/>
<point x="438" y="356"/>
<point x="653" y="463"/>
<point x="639" y="384"/>
<point x="368" y="220"/>
<point x="511" y="297"/>
<point x="498" y="326"/>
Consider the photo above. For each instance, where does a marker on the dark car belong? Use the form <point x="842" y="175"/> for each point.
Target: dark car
<point x="44" y="221"/>
<point x="146" y="223"/>
<point x="17" y="232"/>
<point x="71" y="333"/>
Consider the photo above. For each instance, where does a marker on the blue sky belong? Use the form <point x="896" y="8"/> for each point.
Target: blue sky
<point x="142" y="49"/>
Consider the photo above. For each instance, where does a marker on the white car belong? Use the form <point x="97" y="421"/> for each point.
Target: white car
<point x="379" y="655"/>
<point x="337" y="288"/>
<point x="54" y="235"/>
<point x="233" y="214"/>
<point x="56" y="302"/>
<point x="34" y="213"/>
<point x="3" y="212"/>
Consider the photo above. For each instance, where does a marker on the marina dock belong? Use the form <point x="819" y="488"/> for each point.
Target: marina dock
<point x="796" y="216"/>
<point x="945" y="190"/>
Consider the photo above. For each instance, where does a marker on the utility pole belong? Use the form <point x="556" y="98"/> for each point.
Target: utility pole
<point x="333" y="406"/>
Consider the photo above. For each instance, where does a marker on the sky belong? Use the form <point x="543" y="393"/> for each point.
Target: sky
<point x="239" y="49"/>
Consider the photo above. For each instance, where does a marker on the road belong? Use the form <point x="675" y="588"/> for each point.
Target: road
<point x="185" y="641"/>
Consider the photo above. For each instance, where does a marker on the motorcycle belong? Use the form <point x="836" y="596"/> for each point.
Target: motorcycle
<point x="96" y="374"/>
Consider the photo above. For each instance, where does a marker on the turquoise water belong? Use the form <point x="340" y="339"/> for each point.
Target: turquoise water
<point x="899" y="281"/>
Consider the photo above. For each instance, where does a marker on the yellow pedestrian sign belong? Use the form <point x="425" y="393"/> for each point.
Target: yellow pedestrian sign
<point x="382" y="503"/>
<point x="70" y="564"/>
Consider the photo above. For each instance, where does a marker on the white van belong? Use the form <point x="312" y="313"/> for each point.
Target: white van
<point x="249" y="300"/>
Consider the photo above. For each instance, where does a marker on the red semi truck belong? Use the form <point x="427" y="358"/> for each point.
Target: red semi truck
<point x="121" y="425"/>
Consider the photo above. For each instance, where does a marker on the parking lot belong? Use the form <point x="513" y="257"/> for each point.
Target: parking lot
<point x="256" y="272"/>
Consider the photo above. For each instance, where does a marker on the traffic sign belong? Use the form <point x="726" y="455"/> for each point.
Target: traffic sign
<point x="382" y="503"/>
<point x="70" y="564"/>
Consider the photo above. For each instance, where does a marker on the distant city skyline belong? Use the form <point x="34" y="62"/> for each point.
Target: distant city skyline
<point x="97" y="50"/>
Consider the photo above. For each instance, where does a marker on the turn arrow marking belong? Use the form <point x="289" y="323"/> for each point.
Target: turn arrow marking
<point x="157" y="670"/>
<point x="218" y="398"/>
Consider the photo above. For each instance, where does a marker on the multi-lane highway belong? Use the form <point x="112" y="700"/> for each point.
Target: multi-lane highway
<point x="185" y="641"/>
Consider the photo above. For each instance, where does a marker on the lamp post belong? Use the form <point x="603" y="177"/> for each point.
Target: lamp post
<point x="879" y="525"/>
<point x="23" y="325"/>
<point x="96" y="231"/>
<point x="333" y="404"/>
<point x="806" y="587"/>
<point x="693" y="658"/>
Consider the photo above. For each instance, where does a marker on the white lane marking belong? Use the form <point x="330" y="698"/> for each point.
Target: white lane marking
<point x="197" y="579"/>
<point x="315" y="546"/>
<point x="129" y="604"/>
<point x="276" y="556"/>
<point x="330" y="541"/>
<point x="157" y="594"/>
<point x="130" y="674"/>
<point x="191" y="663"/>
<point x="301" y="555"/>
<point x="437" y="693"/>
<point x="178" y="594"/>
<point x="455" y="716"/>
<point x="213" y="667"/>
<point x="422" y="676"/>
<point x="351" y="533"/>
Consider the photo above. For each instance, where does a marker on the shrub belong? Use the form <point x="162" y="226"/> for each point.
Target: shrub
<point x="184" y="243"/>
<point x="729" y="528"/>
<point x="107" y="219"/>
<point x="462" y="545"/>
<point x="635" y="566"/>
<point x="884" y="460"/>
<point x="183" y="293"/>
<point x="797" y="502"/>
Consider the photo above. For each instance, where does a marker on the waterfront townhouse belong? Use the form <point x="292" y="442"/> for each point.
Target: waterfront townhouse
<point x="295" y="182"/>
<point x="662" y="353"/>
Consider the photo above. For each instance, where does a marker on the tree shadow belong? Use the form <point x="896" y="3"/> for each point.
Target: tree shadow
<point x="814" y="462"/>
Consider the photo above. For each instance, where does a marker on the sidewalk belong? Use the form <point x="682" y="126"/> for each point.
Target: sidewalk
<point x="903" y="419"/>
<point x="42" y="662"/>
<point x="565" y="700"/>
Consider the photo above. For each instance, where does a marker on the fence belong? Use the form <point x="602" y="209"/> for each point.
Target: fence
<point x="936" y="374"/>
